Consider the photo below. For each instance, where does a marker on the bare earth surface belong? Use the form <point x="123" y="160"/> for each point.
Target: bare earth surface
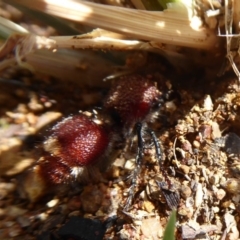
<point x="203" y="169"/>
<point x="199" y="130"/>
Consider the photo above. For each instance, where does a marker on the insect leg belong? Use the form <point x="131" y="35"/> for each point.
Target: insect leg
<point x="139" y="157"/>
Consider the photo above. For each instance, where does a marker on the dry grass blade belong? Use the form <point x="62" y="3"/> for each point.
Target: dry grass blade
<point x="32" y="52"/>
<point x="21" y="45"/>
<point x="231" y="19"/>
<point x="168" y="27"/>
<point x="101" y="42"/>
<point x="8" y="27"/>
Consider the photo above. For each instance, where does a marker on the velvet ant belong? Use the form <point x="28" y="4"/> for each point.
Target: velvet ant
<point x="78" y="143"/>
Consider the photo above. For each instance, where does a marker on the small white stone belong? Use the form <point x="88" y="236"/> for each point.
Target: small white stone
<point x="130" y="164"/>
<point x="207" y="103"/>
<point x="215" y="209"/>
<point x="232" y="206"/>
<point x="42" y="216"/>
<point x="199" y="195"/>
<point x="52" y="203"/>
<point x="216" y="132"/>
<point x="220" y="194"/>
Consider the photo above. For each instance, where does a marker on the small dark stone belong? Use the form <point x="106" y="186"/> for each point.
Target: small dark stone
<point x="230" y="143"/>
<point x="78" y="228"/>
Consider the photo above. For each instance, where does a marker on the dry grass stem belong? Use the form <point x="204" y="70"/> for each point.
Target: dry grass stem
<point x="101" y="43"/>
<point x="168" y="27"/>
<point x="231" y="55"/>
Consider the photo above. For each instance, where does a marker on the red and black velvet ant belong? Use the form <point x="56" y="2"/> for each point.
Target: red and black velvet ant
<point x="79" y="142"/>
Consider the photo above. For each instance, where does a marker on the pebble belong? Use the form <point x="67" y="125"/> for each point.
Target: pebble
<point x="151" y="228"/>
<point x="182" y="211"/>
<point x="189" y="202"/>
<point x="22" y="163"/>
<point x="148" y="206"/>
<point x="226" y="204"/>
<point x="114" y="172"/>
<point x="52" y="203"/>
<point x="91" y="199"/>
<point x="114" y="192"/>
<point x="186" y="145"/>
<point x="215" y="209"/>
<point x="185" y="192"/>
<point x="236" y="198"/>
<point x="196" y="144"/>
<point x="185" y="169"/>
<point x="220" y="194"/>
<point x="216" y="132"/>
<point x="23" y="221"/>
<point x="124" y="234"/>
<point x="207" y="103"/>
<point x="186" y="211"/>
<point x="170" y="106"/>
<point x="15" y="211"/>
<point x="31" y="118"/>
<point x="130" y="164"/>
<point x="214" y="179"/>
<point x="206" y="131"/>
<point x="9" y="187"/>
<point x="232" y="206"/>
<point x="119" y="162"/>
<point x="232" y="185"/>
<point x="100" y="213"/>
<point x="199" y="195"/>
<point x="42" y="216"/>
